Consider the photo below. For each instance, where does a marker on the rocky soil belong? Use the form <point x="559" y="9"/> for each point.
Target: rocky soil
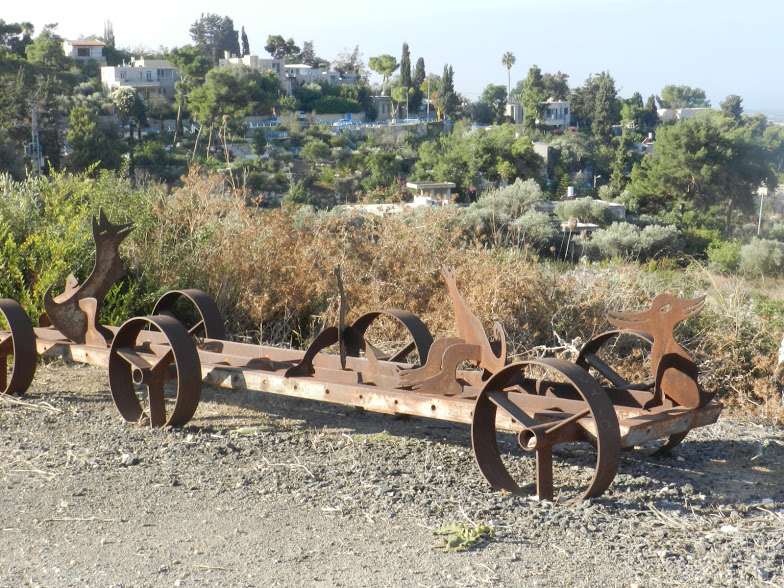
<point x="264" y="491"/>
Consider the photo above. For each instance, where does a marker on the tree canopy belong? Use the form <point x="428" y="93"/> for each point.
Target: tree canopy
<point x="215" y="34"/>
<point x="674" y="96"/>
<point x="236" y="92"/>
<point x="705" y="167"/>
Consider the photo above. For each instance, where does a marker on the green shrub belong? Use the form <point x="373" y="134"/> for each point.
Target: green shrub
<point x="696" y="241"/>
<point x="492" y="213"/>
<point x="619" y="240"/>
<point x="336" y="105"/>
<point x="762" y="257"/>
<point x="658" y="241"/>
<point x="776" y="232"/>
<point x="534" y="228"/>
<point x="724" y="256"/>
<point x="586" y="210"/>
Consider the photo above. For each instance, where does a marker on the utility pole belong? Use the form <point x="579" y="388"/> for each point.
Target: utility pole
<point x="759" y="219"/>
<point x="428" y="98"/>
<point x="35" y="144"/>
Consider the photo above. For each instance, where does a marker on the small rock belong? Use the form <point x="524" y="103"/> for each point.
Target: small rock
<point x="128" y="459"/>
<point x="762" y="574"/>
<point x="728" y="529"/>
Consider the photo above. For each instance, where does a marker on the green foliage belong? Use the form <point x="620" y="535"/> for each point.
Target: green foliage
<point x="586" y="210"/>
<point x="315" y="150"/>
<point x="506" y="212"/>
<point x="595" y="105"/>
<point x="336" y="105"/>
<point x="215" y="34"/>
<point x="415" y="100"/>
<point x="762" y="257"/>
<point x="732" y="107"/>
<point x="259" y="142"/>
<point x="45" y="234"/>
<point x="532" y="97"/>
<point x="384" y="65"/>
<point x="234" y="91"/>
<point x="90" y="144"/>
<point x="534" y="228"/>
<point x="445" y="99"/>
<point x="625" y="241"/>
<point x="473" y="158"/>
<point x="724" y="256"/>
<point x="462" y="536"/>
<point x="281" y="48"/>
<point x="47" y="50"/>
<point x="673" y="96"/>
<point x="494" y="99"/>
<point x="705" y="168"/>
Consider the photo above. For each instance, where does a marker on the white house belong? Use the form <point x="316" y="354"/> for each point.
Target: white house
<point x="431" y="193"/>
<point x="673" y="114"/>
<point x="149" y="77"/>
<point x="555" y="113"/>
<point x="85" y="50"/>
<point x="261" y="64"/>
<point x="383" y="107"/>
<point x="514" y="110"/>
<point x="299" y="74"/>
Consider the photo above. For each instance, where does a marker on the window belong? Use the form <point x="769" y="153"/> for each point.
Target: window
<point x="149" y="76"/>
<point x="83" y="52"/>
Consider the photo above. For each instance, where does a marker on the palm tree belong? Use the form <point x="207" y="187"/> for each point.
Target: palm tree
<point x="508" y="60"/>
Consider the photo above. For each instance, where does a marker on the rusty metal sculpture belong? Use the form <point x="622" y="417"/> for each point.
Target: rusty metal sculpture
<point x="157" y="366"/>
<point x="75" y="312"/>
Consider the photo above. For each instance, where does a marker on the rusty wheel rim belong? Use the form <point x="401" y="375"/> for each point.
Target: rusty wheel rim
<point x="209" y="323"/>
<point x="152" y="366"/>
<point x="18" y="345"/>
<point x="499" y="393"/>
<point x="421" y="338"/>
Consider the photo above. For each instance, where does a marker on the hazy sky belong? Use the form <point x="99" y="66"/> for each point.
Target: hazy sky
<point x="723" y="46"/>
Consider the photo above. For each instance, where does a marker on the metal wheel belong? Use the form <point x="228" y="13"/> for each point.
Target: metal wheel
<point x="195" y="309"/>
<point x="420" y="337"/>
<point x="565" y="405"/>
<point x="151" y="366"/>
<point x="588" y="358"/>
<point x="17" y="345"/>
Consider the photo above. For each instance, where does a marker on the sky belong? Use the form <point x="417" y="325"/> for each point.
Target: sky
<point x="723" y="46"/>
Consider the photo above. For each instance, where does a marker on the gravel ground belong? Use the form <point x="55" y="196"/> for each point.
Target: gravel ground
<point x="265" y="491"/>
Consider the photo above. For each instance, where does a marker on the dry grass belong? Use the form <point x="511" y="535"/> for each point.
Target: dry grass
<point x="271" y="272"/>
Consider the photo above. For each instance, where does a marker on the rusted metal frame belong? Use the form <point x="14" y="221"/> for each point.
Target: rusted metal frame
<point x="637" y="426"/>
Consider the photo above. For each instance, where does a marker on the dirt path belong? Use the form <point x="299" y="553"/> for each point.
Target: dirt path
<point x="262" y="491"/>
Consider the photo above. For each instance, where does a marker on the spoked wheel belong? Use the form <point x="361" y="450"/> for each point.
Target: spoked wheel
<point x="195" y="309"/>
<point x="589" y="359"/>
<point x="555" y="403"/>
<point x="18" y="356"/>
<point x="150" y="367"/>
<point x="419" y="337"/>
